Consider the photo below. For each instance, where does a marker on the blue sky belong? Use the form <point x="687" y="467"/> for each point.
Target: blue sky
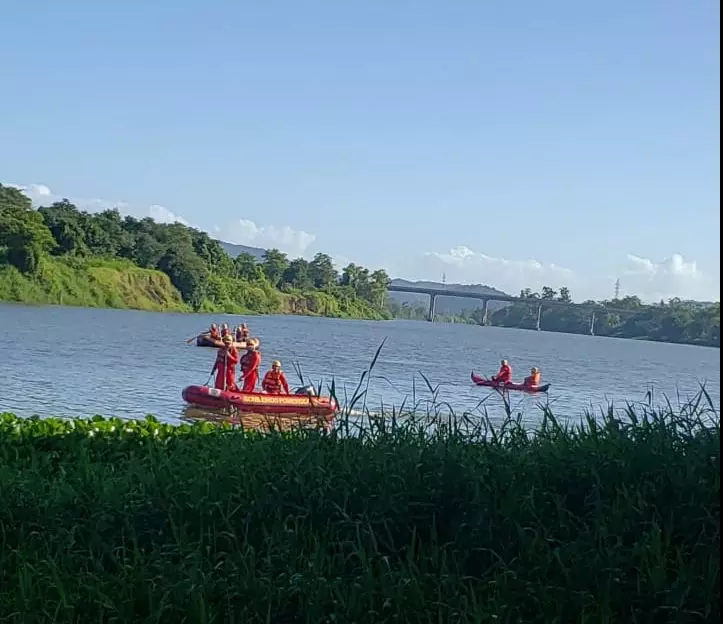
<point x="515" y="144"/>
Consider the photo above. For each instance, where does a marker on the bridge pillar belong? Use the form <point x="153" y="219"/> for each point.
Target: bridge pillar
<point x="592" y="324"/>
<point x="539" y="317"/>
<point x="485" y="311"/>
<point x="432" y="307"/>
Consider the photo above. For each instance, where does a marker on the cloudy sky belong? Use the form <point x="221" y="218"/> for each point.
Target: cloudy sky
<point x="513" y="144"/>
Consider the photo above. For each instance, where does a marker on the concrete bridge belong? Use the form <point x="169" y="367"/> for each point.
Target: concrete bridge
<point x="433" y="293"/>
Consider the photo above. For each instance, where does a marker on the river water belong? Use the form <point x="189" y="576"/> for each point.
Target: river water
<point x="57" y="361"/>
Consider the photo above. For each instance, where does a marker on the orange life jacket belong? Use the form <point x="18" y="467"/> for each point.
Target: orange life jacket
<point x="272" y="382"/>
<point x="533" y="380"/>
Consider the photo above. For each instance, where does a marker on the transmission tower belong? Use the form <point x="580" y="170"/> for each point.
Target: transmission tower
<point x="617" y="289"/>
<point x="444" y="278"/>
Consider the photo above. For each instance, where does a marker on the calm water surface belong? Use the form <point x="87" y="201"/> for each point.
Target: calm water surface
<point x="80" y="362"/>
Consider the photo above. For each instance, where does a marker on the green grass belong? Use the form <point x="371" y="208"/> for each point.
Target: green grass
<point x="92" y="283"/>
<point x="614" y="520"/>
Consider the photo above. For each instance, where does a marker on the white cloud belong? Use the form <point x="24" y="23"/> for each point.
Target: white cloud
<point x="671" y="277"/>
<point x="161" y="214"/>
<point x="651" y="281"/>
<point x="464" y="266"/>
<point x="246" y="232"/>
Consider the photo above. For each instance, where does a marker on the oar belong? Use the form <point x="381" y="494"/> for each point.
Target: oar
<point x="191" y="339"/>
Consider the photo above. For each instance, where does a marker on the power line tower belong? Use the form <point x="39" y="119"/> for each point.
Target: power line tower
<point x="444" y="279"/>
<point x="617" y="289"/>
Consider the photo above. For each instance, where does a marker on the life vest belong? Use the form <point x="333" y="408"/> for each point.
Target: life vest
<point x="247" y="358"/>
<point x="214" y="334"/>
<point x="272" y="382"/>
<point x="221" y="356"/>
<point x="533" y="380"/>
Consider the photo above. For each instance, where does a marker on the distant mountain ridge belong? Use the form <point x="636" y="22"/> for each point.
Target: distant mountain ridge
<point x="236" y="250"/>
<point x="447" y="305"/>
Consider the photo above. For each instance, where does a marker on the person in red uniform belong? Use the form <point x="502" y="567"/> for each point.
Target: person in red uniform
<point x="225" y="366"/>
<point x="533" y="379"/>
<point x="213" y="332"/>
<point x="504" y="375"/>
<point x="250" y="363"/>
<point x="274" y="380"/>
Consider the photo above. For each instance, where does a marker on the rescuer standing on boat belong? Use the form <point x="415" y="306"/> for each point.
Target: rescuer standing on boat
<point x="275" y="380"/>
<point x="225" y="365"/>
<point x="250" y="363"/>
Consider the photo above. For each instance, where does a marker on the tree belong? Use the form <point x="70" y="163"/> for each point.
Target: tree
<point x="22" y="231"/>
<point x="187" y="273"/>
<point x="66" y="224"/>
<point x="322" y="271"/>
<point x="564" y="295"/>
<point x="379" y="283"/>
<point x="297" y="274"/>
<point x="548" y="293"/>
<point x="246" y="268"/>
<point x="274" y="264"/>
<point x="147" y="251"/>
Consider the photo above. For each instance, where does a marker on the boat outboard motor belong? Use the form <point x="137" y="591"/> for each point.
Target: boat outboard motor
<point x="307" y="390"/>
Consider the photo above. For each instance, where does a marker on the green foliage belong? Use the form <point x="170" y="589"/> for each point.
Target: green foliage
<point x="612" y="521"/>
<point x="23" y="233"/>
<point x="206" y="277"/>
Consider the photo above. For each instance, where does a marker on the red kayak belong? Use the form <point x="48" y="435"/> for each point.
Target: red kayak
<point x="259" y="403"/>
<point x="488" y="383"/>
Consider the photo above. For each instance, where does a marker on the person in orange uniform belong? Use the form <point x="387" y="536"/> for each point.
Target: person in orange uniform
<point x="242" y="333"/>
<point x="533" y="379"/>
<point x="250" y="363"/>
<point x="274" y="380"/>
<point x="504" y="375"/>
<point x="225" y="366"/>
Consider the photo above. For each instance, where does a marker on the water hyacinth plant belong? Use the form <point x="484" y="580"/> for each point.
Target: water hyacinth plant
<point x="409" y="519"/>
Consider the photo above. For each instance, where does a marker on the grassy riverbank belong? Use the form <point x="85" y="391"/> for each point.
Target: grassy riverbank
<point x="91" y="283"/>
<point x="107" y="520"/>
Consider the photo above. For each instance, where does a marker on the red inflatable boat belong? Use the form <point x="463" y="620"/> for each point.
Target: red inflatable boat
<point x="488" y="383"/>
<point x="259" y="403"/>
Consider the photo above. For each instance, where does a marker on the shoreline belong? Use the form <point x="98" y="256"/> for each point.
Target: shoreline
<point x="346" y="318"/>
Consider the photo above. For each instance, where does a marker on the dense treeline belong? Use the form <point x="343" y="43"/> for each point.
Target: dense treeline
<point x="207" y="278"/>
<point x="627" y="317"/>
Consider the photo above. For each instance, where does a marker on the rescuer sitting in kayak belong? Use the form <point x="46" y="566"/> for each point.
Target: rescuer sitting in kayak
<point x="242" y="333"/>
<point x="225" y="366"/>
<point x="250" y="363"/>
<point x="533" y="379"/>
<point x="225" y="331"/>
<point x="274" y="380"/>
<point x="504" y="375"/>
<point x="212" y="333"/>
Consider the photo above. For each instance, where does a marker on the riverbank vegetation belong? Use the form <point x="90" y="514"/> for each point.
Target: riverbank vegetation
<point x="687" y="322"/>
<point x="609" y="520"/>
<point x="58" y="254"/>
